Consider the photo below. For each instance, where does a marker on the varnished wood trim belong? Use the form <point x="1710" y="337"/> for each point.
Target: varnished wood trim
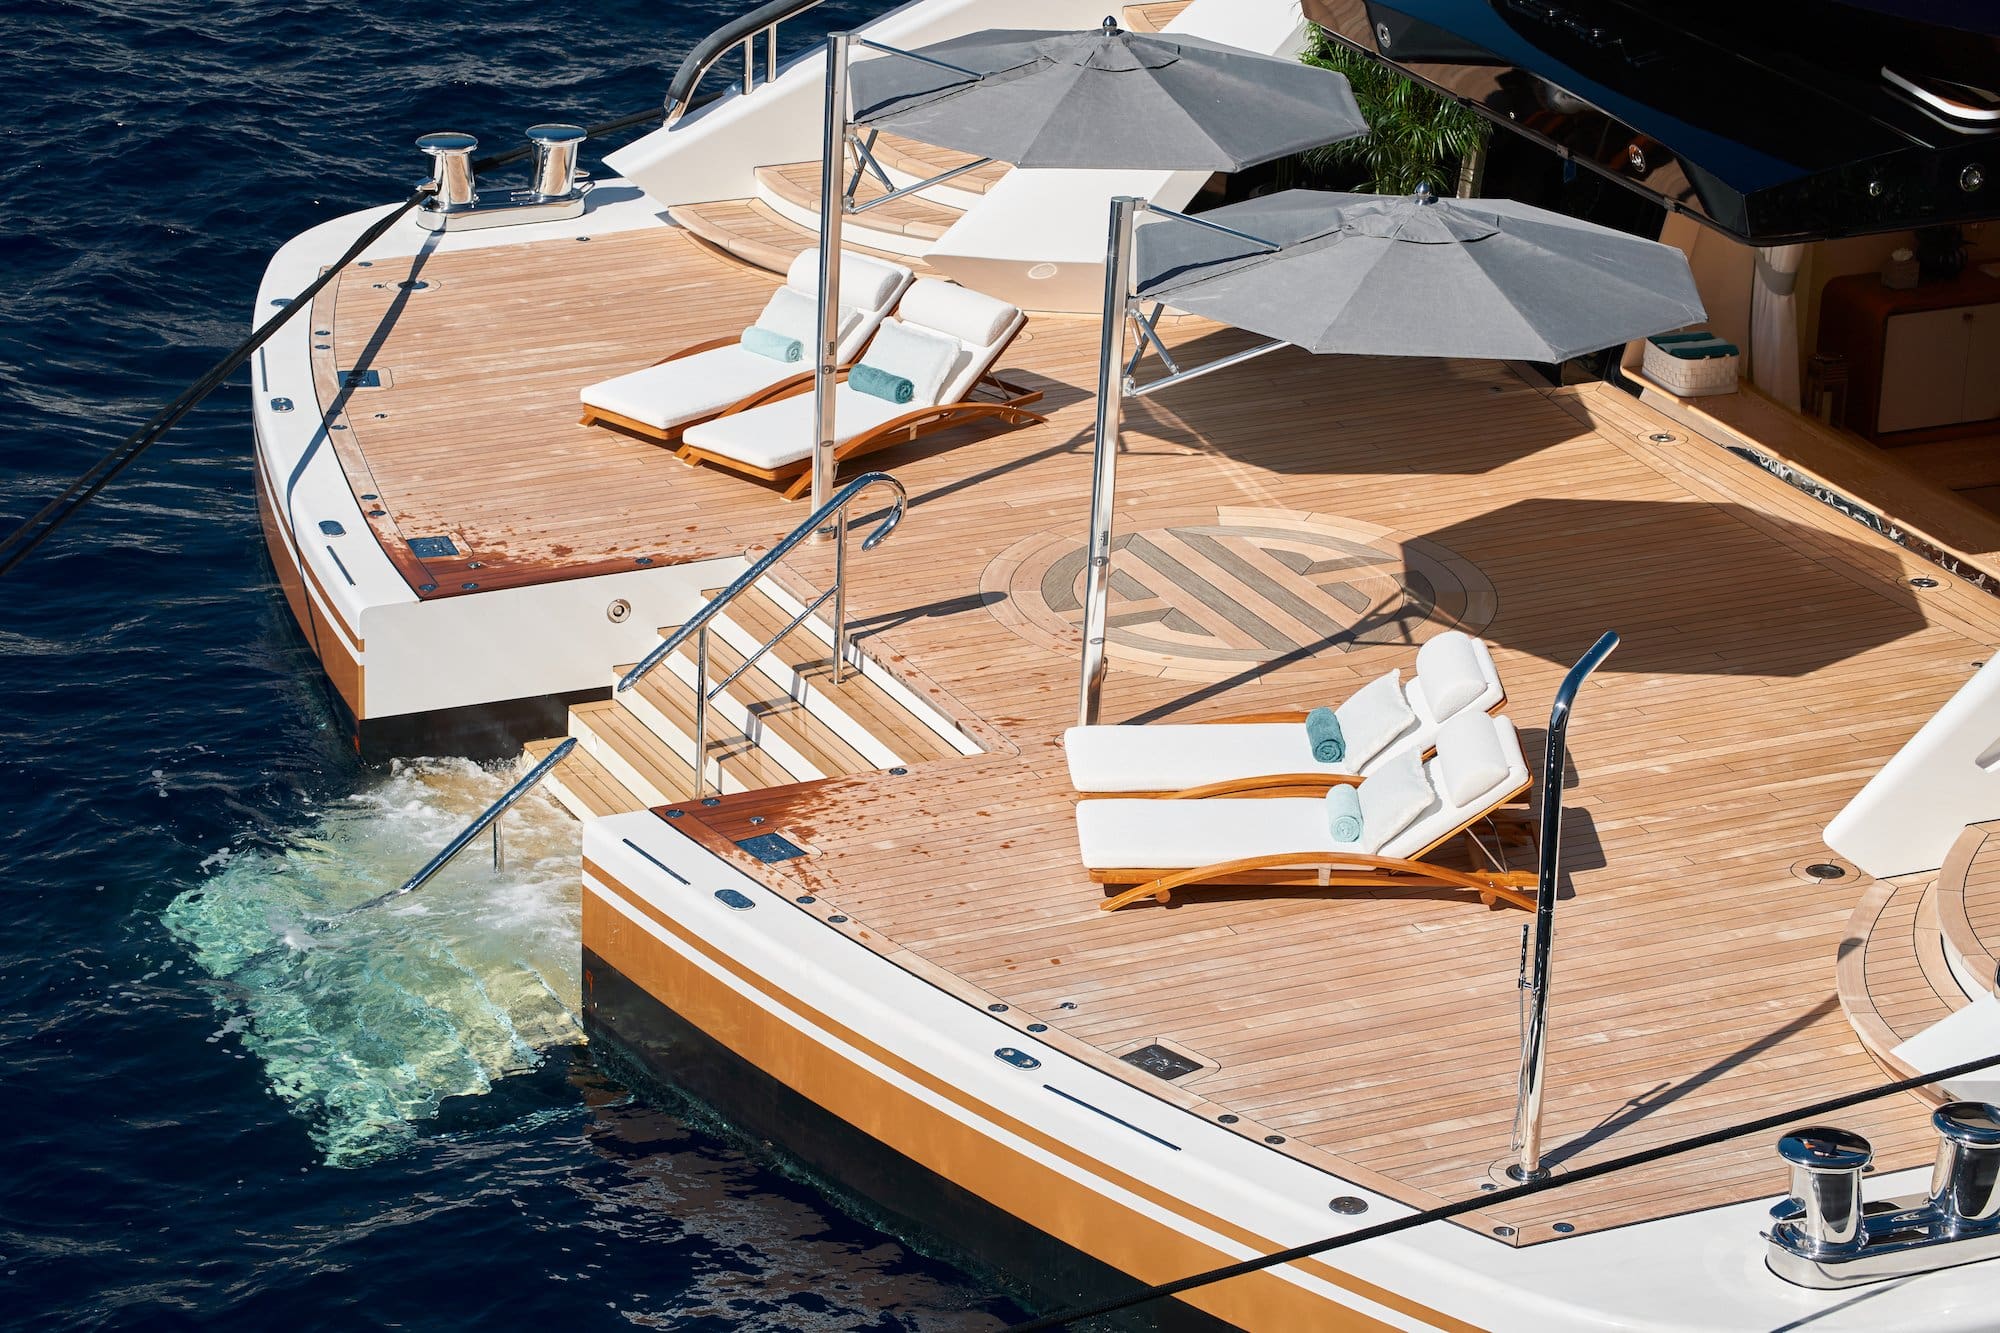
<point x="1053" y="1201"/>
<point x="342" y="664"/>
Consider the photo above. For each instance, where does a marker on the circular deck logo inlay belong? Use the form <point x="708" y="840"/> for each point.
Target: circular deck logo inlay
<point x="1228" y="589"/>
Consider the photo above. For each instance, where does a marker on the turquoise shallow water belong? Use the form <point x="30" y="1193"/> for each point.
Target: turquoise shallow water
<point x="214" y="1116"/>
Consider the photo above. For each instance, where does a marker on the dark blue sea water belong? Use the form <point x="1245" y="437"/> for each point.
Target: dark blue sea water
<point x="208" y="1119"/>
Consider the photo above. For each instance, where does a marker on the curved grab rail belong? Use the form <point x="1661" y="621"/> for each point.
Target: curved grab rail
<point x="737" y="32"/>
<point x="833" y="512"/>
<point x="473" y="830"/>
<point x="1534" y="1033"/>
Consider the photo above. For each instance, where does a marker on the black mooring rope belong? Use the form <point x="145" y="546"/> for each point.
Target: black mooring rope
<point x="1508" y="1195"/>
<point x="80" y="492"/>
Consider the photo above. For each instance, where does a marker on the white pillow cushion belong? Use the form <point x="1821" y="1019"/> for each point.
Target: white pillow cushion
<point x="918" y="355"/>
<point x="1470" y="759"/>
<point x="866" y="284"/>
<point x="793" y="314"/>
<point x="1392" y="798"/>
<point x="1451" y="673"/>
<point x="973" y="318"/>
<point x="1372" y="717"/>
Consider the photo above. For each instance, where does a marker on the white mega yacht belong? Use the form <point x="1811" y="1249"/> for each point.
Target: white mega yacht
<point x="846" y="863"/>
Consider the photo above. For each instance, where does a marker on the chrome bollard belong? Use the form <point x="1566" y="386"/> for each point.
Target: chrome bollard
<point x="1826" y="1183"/>
<point x="556" y="147"/>
<point x="451" y="171"/>
<point x="1965" y="1183"/>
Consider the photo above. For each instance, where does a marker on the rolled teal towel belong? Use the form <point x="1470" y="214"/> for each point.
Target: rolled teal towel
<point x="1343" y="813"/>
<point x="769" y="342"/>
<point x="1702" y="351"/>
<point x="1667" y="339"/>
<point x="1323" y="730"/>
<point x="879" y="383"/>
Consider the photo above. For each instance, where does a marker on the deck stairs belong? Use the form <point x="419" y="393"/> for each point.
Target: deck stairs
<point x="783" y="720"/>
<point x="1921" y="948"/>
<point x="769" y="228"/>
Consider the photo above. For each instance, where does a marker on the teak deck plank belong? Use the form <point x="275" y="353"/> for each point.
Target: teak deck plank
<point x="1774" y="656"/>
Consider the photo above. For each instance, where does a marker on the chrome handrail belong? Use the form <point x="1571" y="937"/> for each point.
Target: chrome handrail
<point x="475" y="828"/>
<point x="834" y="514"/>
<point x="1535" y="984"/>
<point x="743" y="32"/>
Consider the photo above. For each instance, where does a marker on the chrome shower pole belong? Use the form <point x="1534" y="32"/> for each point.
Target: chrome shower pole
<point x="1104" y="461"/>
<point x="1535" y="1034"/>
<point x="832" y="213"/>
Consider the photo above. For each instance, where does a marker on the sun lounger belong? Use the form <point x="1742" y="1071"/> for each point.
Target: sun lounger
<point x="1409" y="808"/>
<point x="1270" y="752"/>
<point x="944" y="340"/>
<point x="720" y="376"/>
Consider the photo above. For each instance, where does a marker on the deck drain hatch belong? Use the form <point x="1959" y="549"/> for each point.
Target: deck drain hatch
<point x="1018" y="1059"/>
<point x="1347" y="1205"/>
<point x="1823" y="870"/>
<point x="771" y="848"/>
<point x="433" y="548"/>
<point x="733" y="900"/>
<point x="359" y="379"/>
<point x="1160" y="1062"/>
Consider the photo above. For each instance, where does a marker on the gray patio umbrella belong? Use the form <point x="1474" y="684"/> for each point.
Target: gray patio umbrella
<point x="1106" y="98"/>
<point x="1417" y="276"/>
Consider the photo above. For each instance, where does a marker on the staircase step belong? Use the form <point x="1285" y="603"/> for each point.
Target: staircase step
<point x="1891" y="976"/>
<point x="1969" y="907"/>
<point x="737" y="762"/>
<point x="1152" y="18"/>
<point x="580" y="784"/>
<point x="640" y="760"/>
<point x="810" y="658"/>
<point x="665" y="701"/>
<point x="905" y="226"/>
<point x="781" y="723"/>
<point x="907" y="161"/>
<point x="749" y="230"/>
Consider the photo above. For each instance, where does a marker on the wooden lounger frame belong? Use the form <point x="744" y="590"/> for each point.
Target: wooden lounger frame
<point x="671" y="436"/>
<point x="1004" y="400"/>
<point x="1337" y="870"/>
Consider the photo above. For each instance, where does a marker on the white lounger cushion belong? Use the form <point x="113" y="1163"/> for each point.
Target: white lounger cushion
<point x="692" y="387"/>
<point x="701" y="385"/>
<point x="1175" y="756"/>
<point x="780" y="433"/>
<point x="1180" y="835"/>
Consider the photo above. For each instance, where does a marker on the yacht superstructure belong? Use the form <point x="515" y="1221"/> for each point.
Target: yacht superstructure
<point x="831" y="879"/>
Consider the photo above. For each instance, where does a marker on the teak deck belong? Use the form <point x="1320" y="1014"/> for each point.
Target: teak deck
<point x="1774" y="656"/>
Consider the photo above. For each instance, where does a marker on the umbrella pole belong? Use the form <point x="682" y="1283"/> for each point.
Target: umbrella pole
<point x="832" y="213"/>
<point x="1104" y="461"/>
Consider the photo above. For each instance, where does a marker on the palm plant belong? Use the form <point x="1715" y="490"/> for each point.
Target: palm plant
<point x="1414" y="134"/>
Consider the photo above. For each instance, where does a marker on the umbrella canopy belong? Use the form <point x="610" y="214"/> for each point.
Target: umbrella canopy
<point x="1418" y="276"/>
<point x="1106" y="99"/>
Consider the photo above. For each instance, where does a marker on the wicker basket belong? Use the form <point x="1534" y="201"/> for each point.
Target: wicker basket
<point x="1712" y="370"/>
